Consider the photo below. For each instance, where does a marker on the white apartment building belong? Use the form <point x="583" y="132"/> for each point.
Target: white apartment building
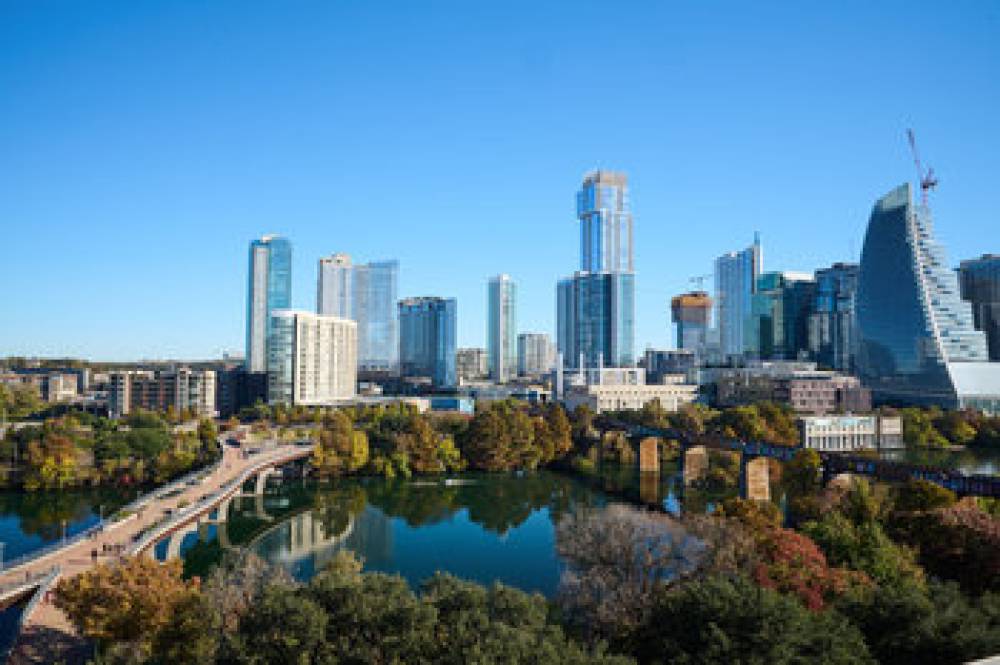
<point x="182" y="388"/>
<point x="311" y="359"/>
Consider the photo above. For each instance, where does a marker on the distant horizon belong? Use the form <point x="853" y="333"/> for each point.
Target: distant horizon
<point x="145" y="146"/>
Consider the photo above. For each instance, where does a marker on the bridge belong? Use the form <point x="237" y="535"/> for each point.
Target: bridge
<point x="46" y="635"/>
<point x="694" y="461"/>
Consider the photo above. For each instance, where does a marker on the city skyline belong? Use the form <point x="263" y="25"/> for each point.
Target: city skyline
<point x="293" y="142"/>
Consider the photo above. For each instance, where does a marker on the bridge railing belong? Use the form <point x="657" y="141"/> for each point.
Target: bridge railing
<point x="184" y="515"/>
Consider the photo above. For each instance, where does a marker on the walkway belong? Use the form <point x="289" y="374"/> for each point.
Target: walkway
<point x="46" y="634"/>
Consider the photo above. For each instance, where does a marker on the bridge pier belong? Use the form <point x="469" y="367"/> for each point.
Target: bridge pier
<point x="694" y="464"/>
<point x="755" y="479"/>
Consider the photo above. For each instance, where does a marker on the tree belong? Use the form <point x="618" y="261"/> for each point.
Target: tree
<point x="340" y="448"/>
<point x="429" y="452"/>
<point x="284" y="626"/>
<point x="19" y="401"/>
<point x="190" y="636"/>
<point x="919" y="495"/>
<point x="125" y="602"/>
<point x="801" y="474"/>
<point x="730" y="620"/>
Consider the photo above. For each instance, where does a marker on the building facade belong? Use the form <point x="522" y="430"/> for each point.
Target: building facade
<point x="367" y="294"/>
<point x="181" y="389"/>
<point x="692" y="315"/>
<point x="917" y="341"/>
<point x="778" y="326"/>
<point x="535" y="354"/>
<point x="736" y="276"/>
<point x="849" y="433"/>
<point x="427" y="333"/>
<point x="269" y="288"/>
<point x="833" y="322"/>
<point x="311" y="359"/>
<point x="620" y="389"/>
<point x="980" y="281"/>
<point x="471" y="364"/>
<point x="501" y="342"/>
<point x="797" y="384"/>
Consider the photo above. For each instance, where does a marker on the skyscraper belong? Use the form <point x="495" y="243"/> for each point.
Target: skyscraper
<point x="833" y="323"/>
<point x="980" y="280"/>
<point x="427" y="331"/>
<point x="918" y="344"/>
<point x="501" y="343"/>
<point x="535" y="354"/>
<point x="736" y="276"/>
<point x="269" y="287"/>
<point x="596" y="306"/>
<point x="366" y="294"/>
<point x="778" y="326"/>
<point x="692" y="314"/>
<point x="311" y="359"/>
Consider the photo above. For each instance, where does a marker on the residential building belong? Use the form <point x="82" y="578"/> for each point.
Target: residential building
<point x="692" y="314"/>
<point x="980" y="281"/>
<point x="662" y="363"/>
<point x="367" y="294"/>
<point x="617" y="389"/>
<point x="180" y="388"/>
<point x="778" y="326"/>
<point x="471" y="364"/>
<point x="269" y="287"/>
<point x="798" y="384"/>
<point x="918" y="344"/>
<point x="427" y="332"/>
<point x="52" y="386"/>
<point x="501" y="343"/>
<point x="850" y="433"/>
<point x="833" y="322"/>
<point x="236" y="388"/>
<point x="736" y="276"/>
<point x="311" y="359"/>
<point x="535" y="354"/>
<point x="595" y="307"/>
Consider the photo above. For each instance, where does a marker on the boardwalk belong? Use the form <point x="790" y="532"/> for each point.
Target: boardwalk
<point x="47" y="635"/>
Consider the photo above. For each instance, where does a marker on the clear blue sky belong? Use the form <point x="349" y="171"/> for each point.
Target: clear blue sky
<point x="143" y="144"/>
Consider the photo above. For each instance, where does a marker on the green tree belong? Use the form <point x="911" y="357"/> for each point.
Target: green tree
<point x="284" y="626"/>
<point x="802" y="473"/>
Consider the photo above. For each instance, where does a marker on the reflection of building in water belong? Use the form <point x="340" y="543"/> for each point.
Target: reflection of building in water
<point x="304" y="544"/>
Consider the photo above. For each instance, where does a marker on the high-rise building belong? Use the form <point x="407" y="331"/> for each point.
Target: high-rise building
<point x="311" y="359"/>
<point x="918" y="344"/>
<point x="692" y="314"/>
<point x="778" y="327"/>
<point x="596" y="306"/>
<point x="269" y="287"/>
<point x="366" y="294"/>
<point x="427" y="332"/>
<point x="833" y="323"/>
<point x="980" y="280"/>
<point x="501" y="342"/>
<point x="736" y="276"/>
<point x="471" y="364"/>
<point x="535" y="354"/>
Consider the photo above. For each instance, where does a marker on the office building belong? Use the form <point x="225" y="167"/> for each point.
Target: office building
<point x="796" y="384"/>
<point x="366" y="294"/>
<point x="595" y="308"/>
<point x="471" y="364"/>
<point x="778" y="326"/>
<point x="427" y="333"/>
<point x="501" y="343"/>
<point x="617" y="389"/>
<point x="917" y="341"/>
<point x="535" y="354"/>
<point x="269" y="287"/>
<point x="980" y="281"/>
<point x="736" y="276"/>
<point x="662" y="363"/>
<point x="311" y="359"/>
<point x="236" y="388"/>
<point x="692" y="315"/>
<point x="833" y="322"/>
<point x="181" y="389"/>
<point x="849" y="433"/>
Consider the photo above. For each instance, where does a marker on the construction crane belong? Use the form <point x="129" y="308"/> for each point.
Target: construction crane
<point x="927" y="180"/>
<point x="700" y="280"/>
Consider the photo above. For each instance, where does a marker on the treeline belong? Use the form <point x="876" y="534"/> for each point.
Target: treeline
<point x="765" y="421"/>
<point x="934" y="427"/>
<point x="85" y="450"/>
<point x="397" y="440"/>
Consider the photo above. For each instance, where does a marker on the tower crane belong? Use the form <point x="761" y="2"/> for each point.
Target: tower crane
<point x="699" y="280"/>
<point x="927" y="180"/>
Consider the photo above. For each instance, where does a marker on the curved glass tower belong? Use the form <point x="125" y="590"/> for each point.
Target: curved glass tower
<point x="917" y="341"/>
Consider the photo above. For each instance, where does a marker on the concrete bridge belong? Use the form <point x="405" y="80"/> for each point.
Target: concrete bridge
<point x="694" y="462"/>
<point x="46" y="636"/>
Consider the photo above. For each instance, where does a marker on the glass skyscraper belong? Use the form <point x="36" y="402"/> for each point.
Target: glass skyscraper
<point x="980" y="280"/>
<point x="501" y="343"/>
<point x="833" y="322"/>
<point x="736" y="276"/>
<point x="427" y="332"/>
<point x="918" y="344"/>
<point x="269" y="287"/>
<point x="595" y="307"/>
<point x="366" y="294"/>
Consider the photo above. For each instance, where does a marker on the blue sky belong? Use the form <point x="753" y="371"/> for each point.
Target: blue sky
<point x="143" y="144"/>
